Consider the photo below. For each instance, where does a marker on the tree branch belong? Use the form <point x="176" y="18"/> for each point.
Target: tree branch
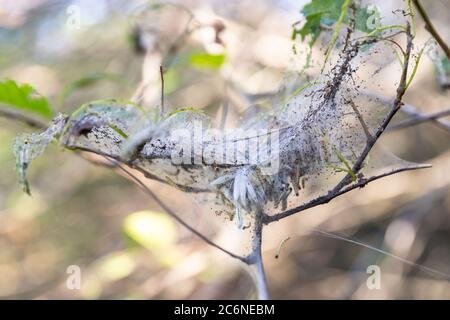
<point x="431" y="29"/>
<point x="341" y="188"/>
<point x="361" y="120"/>
<point x="334" y="194"/>
<point x="412" y="111"/>
<point x="169" y="211"/>
<point x="255" y="259"/>
<point x="421" y="118"/>
<point x="24" y="118"/>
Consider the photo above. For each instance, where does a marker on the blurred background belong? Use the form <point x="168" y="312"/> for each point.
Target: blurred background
<point x="215" y="54"/>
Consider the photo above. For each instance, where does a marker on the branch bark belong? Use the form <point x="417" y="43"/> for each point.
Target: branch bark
<point x="334" y="194"/>
<point x="255" y="260"/>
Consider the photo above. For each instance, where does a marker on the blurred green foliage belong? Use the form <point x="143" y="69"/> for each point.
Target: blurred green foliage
<point x="25" y="98"/>
<point x="205" y="60"/>
<point x="150" y="229"/>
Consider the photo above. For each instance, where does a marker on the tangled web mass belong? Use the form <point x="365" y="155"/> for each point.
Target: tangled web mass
<point x="280" y="158"/>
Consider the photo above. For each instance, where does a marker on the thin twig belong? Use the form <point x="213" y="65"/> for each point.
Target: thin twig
<point x="401" y="89"/>
<point x="23" y="117"/>
<point x="431" y="29"/>
<point x="150" y="193"/>
<point x="419" y="119"/>
<point x="343" y="186"/>
<point x="350" y="25"/>
<point x="168" y="56"/>
<point x="337" y="236"/>
<point x="361" y="120"/>
<point x="334" y="194"/>
<point x="161" y="72"/>
<point x="412" y="111"/>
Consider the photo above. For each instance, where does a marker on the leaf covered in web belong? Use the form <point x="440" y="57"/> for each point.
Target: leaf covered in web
<point x="102" y="126"/>
<point x="322" y="14"/>
<point x="27" y="147"/>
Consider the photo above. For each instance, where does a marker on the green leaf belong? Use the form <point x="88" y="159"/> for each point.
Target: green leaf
<point x="123" y="117"/>
<point x="416" y="65"/>
<point x="205" y="60"/>
<point x="319" y="13"/>
<point x="328" y="9"/>
<point x="345" y="162"/>
<point x="312" y="27"/>
<point x="367" y="19"/>
<point x="25" y="98"/>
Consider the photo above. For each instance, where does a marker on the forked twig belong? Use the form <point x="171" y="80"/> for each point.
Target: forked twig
<point x="334" y="194"/>
<point x="344" y="185"/>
